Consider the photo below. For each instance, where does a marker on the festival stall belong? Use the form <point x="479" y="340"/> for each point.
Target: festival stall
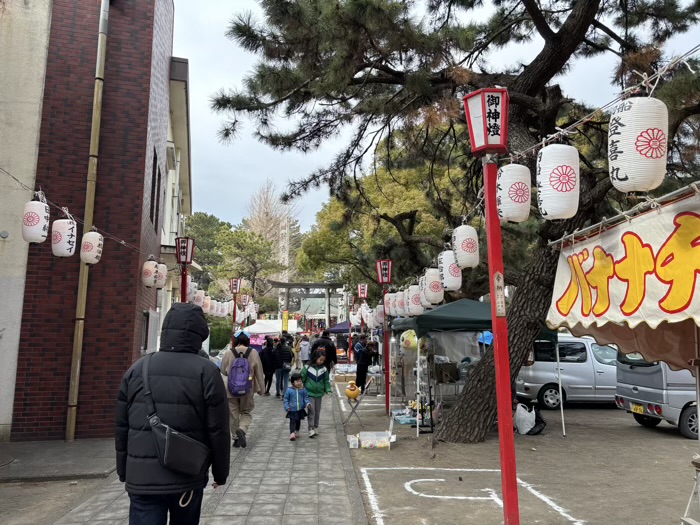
<point x="632" y="281"/>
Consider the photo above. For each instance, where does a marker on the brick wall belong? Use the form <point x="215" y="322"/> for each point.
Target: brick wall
<point x="134" y="109"/>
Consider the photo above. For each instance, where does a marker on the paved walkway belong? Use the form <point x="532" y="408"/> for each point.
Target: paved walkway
<point x="273" y="481"/>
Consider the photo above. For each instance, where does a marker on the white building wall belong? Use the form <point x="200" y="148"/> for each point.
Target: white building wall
<point x="24" y="38"/>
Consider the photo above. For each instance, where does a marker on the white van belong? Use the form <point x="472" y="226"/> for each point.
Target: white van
<point x="588" y="372"/>
<point x="652" y="393"/>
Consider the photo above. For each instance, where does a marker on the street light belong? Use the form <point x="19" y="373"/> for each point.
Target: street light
<point x="487" y="117"/>
<point x="384" y="280"/>
<point x="184" y="251"/>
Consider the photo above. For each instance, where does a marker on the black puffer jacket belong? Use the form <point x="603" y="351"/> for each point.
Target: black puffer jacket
<point x="331" y="350"/>
<point x="189" y="396"/>
<point x="283" y="354"/>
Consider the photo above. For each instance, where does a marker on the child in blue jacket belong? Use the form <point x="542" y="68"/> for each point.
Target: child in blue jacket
<point x="296" y="401"/>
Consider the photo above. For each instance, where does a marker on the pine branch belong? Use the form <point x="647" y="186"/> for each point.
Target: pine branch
<point x="539" y="20"/>
<point x="612" y="34"/>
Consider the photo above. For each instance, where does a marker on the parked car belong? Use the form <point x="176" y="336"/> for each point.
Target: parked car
<point x="652" y="393"/>
<point x="588" y="372"/>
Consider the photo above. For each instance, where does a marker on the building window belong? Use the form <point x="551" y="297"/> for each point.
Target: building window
<point x="158" y="192"/>
<point x="154" y="172"/>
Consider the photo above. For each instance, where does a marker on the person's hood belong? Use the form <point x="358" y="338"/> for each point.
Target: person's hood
<point x="184" y="329"/>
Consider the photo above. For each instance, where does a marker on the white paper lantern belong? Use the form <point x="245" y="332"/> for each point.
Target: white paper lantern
<point x="206" y="305"/>
<point x="434" y="291"/>
<point x="199" y="298"/>
<point x="400" y="304"/>
<point x="149" y="273"/>
<point x="35" y="221"/>
<point x="162" y="276"/>
<point x="450" y="272"/>
<point x="414" y="305"/>
<point x="513" y="193"/>
<point x="91" y="248"/>
<point x="423" y="299"/>
<point x="380" y="313"/>
<point x="558" y="181"/>
<point x="465" y="245"/>
<point x="638" y="144"/>
<point x="63" y="236"/>
<point x="389" y="304"/>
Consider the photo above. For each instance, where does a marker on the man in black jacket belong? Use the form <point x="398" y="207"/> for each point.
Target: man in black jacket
<point x="283" y="365"/>
<point x="190" y="397"/>
<point x="331" y="350"/>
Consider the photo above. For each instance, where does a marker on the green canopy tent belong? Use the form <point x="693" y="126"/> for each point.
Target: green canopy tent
<point x="464" y="315"/>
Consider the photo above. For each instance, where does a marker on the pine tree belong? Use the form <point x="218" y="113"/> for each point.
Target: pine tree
<point x="395" y="71"/>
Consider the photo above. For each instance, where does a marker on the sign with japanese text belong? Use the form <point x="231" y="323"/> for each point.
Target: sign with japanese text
<point x="499" y="287"/>
<point x="285" y="321"/>
<point x="235" y="285"/>
<point x="641" y="271"/>
<point x="384" y="271"/>
<point x="362" y="291"/>
<point x="184" y="250"/>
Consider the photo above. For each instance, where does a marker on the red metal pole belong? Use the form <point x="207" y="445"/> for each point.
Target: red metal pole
<point x="511" y="513"/>
<point x="183" y="284"/>
<point x="387" y="362"/>
<point x="233" y="331"/>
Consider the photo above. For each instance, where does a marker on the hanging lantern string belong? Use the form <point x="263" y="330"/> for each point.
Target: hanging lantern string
<point x="645" y="83"/>
<point x="42" y="198"/>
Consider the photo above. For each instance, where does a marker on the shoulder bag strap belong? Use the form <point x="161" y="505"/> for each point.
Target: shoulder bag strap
<point x="147" y="388"/>
<point x="247" y="353"/>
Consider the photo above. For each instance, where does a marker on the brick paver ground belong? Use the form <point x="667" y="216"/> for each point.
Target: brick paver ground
<point x="273" y="481"/>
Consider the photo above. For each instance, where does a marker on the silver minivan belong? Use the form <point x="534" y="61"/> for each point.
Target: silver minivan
<point x="588" y="372"/>
<point x="652" y="393"/>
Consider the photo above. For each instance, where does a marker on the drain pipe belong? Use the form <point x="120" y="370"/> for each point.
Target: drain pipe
<point x="88" y="219"/>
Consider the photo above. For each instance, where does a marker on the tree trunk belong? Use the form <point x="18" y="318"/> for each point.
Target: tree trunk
<point x="470" y="420"/>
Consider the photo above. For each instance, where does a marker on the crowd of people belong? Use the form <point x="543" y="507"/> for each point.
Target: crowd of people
<point x="178" y="415"/>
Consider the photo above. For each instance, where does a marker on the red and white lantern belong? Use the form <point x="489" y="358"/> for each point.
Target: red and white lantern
<point x="384" y="271"/>
<point x="400" y="304"/>
<point x="414" y="305"/>
<point x="91" y="248"/>
<point x="434" y="291"/>
<point x="162" y="277"/>
<point x="380" y="313"/>
<point x="421" y="287"/>
<point x="235" y="284"/>
<point x="450" y="272"/>
<point x="362" y="291"/>
<point x="465" y="245"/>
<point x="184" y="250"/>
<point x="206" y="306"/>
<point x="149" y="273"/>
<point x="487" y="117"/>
<point x="638" y="144"/>
<point x="35" y="221"/>
<point x="199" y="298"/>
<point x="388" y="304"/>
<point x="63" y="237"/>
<point x="558" y="181"/>
<point x="513" y="193"/>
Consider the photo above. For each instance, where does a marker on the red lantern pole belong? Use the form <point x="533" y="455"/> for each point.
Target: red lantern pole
<point x="183" y="284"/>
<point x="504" y="397"/>
<point x="233" y="330"/>
<point x="387" y="361"/>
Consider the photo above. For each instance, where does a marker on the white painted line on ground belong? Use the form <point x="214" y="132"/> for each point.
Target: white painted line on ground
<point x="562" y="512"/>
<point x="372" y="498"/>
<point x="379" y="517"/>
<point x="340" y="399"/>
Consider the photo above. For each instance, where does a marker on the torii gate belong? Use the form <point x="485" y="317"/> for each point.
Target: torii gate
<point x="326" y="287"/>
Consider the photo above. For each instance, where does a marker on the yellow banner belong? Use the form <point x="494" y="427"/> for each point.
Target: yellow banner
<point x="285" y="321"/>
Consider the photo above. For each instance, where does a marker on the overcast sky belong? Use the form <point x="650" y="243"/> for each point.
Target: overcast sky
<point x="224" y="174"/>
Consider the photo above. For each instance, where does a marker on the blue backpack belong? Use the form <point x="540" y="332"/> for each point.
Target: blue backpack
<point x="240" y="378"/>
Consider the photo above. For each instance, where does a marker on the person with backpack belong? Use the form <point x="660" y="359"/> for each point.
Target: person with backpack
<point x="316" y="378"/>
<point x="244" y="372"/>
<point x="283" y="365"/>
<point x="173" y="387"/>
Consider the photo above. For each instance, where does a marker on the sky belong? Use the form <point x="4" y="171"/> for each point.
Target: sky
<point x="224" y="174"/>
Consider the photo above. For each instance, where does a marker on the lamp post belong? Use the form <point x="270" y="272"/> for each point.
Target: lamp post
<point x="235" y="283"/>
<point x="184" y="251"/>
<point x="487" y="117"/>
<point x="384" y="280"/>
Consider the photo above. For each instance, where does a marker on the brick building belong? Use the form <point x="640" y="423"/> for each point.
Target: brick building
<point x="143" y="188"/>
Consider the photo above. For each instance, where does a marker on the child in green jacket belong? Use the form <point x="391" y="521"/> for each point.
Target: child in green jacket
<point x="317" y="382"/>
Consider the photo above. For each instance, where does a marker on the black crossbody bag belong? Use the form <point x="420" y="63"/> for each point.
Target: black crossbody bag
<point x="176" y="451"/>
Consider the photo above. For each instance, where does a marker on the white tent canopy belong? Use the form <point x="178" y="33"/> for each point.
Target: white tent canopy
<point x="271" y="326"/>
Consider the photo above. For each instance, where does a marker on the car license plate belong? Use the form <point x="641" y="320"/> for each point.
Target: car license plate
<point x="637" y="409"/>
